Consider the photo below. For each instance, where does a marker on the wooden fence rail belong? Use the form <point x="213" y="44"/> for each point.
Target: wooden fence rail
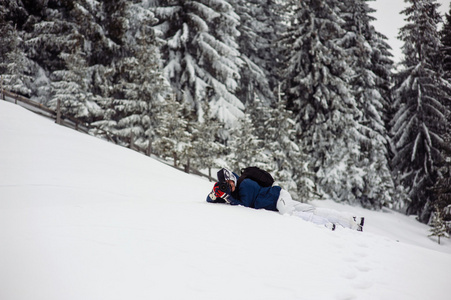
<point x="79" y="125"/>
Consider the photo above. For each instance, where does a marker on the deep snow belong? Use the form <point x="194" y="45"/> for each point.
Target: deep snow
<point x="84" y="219"/>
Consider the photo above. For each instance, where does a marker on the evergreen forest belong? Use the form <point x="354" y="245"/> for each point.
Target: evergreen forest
<point x="307" y="90"/>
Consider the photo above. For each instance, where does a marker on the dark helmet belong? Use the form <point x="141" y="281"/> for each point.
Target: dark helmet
<point x="224" y="175"/>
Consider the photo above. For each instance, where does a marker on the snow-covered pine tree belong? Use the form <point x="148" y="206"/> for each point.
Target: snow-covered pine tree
<point x="245" y="148"/>
<point x="15" y="67"/>
<point x="382" y="66"/>
<point x="201" y="52"/>
<point x="139" y="83"/>
<point x="43" y="33"/>
<point x="373" y="159"/>
<point x="205" y="141"/>
<point x="259" y="113"/>
<point x="120" y="65"/>
<point x="316" y="81"/>
<point x="420" y="92"/>
<point x="57" y="44"/>
<point x="288" y="162"/>
<point x="92" y="18"/>
<point x="438" y="225"/>
<point x="446" y="41"/>
<point x="260" y="22"/>
<point x="442" y="187"/>
<point x="173" y="136"/>
<point x="187" y="151"/>
<point x="71" y="86"/>
<point x="22" y="70"/>
<point x="57" y="33"/>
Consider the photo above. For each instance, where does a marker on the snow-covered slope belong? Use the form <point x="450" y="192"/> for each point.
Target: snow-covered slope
<point x="84" y="219"/>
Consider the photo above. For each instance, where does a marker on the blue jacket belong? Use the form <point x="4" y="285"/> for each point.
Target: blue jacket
<point x="251" y="194"/>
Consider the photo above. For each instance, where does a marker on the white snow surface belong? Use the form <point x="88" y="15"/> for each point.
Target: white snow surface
<point x="81" y="218"/>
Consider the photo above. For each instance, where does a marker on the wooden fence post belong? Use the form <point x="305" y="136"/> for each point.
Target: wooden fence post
<point x="174" y="154"/>
<point x="149" y="147"/>
<point x="132" y="140"/>
<point x="1" y="87"/>
<point x="187" y="166"/>
<point x="58" y="111"/>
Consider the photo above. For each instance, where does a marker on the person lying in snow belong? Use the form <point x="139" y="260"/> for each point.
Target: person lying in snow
<point x="258" y="191"/>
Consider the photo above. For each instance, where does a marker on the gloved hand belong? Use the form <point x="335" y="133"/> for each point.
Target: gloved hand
<point x="220" y="194"/>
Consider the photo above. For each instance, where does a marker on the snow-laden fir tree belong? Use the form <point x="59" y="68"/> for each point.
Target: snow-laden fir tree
<point x="55" y="43"/>
<point x="205" y="141"/>
<point x="70" y="86"/>
<point x="173" y="137"/>
<point x="274" y="127"/>
<point x="438" y="225"/>
<point x="49" y="31"/>
<point x="259" y="113"/>
<point x="316" y="80"/>
<point x="288" y="164"/>
<point x="373" y="158"/>
<point x="382" y="67"/>
<point x="15" y="67"/>
<point x="187" y="152"/>
<point x="442" y="187"/>
<point x="201" y="53"/>
<point x="139" y="84"/>
<point x="446" y="41"/>
<point x="57" y="35"/>
<point x="245" y="148"/>
<point x="260" y="23"/>
<point x="420" y="93"/>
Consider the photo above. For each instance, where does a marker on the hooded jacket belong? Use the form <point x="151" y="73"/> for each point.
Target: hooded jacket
<point x="250" y="194"/>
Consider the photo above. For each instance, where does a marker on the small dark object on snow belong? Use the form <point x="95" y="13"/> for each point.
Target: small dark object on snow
<point x="362" y="222"/>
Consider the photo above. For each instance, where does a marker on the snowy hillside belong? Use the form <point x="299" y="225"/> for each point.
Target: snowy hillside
<point x="84" y="219"/>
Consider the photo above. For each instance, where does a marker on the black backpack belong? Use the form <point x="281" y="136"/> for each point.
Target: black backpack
<point x="258" y="175"/>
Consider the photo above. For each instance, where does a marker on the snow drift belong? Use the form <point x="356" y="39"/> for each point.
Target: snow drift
<point x="84" y="219"/>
